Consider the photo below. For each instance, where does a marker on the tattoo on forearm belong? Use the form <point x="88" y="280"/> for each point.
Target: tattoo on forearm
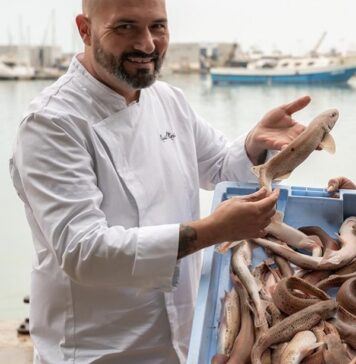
<point x="188" y="243"/>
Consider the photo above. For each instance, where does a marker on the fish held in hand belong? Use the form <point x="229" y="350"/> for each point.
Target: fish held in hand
<point x="316" y="134"/>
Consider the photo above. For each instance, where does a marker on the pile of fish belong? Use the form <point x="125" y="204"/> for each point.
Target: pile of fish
<point x="282" y="310"/>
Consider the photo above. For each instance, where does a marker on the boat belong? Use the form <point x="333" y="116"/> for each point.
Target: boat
<point x="292" y="70"/>
<point x="12" y="69"/>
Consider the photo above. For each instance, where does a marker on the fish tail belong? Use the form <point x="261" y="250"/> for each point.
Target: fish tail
<point x="265" y="179"/>
<point x="330" y="257"/>
<point x="256" y="170"/>
<point x="261" y="173"/>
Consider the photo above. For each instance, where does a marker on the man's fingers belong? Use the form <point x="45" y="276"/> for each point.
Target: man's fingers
<point x="262" y="233"/>
<point x="284" y="146"/>
<point x="340" y="183"/>
<point x="271" y="213"/>
<point x="296" y="105"/>
<point x="270" y="201"/>
<point x="333" y="185"/>
<point x="253" y="197"/>
<point x="257" y="196"/>
<point x="298" y="128"/>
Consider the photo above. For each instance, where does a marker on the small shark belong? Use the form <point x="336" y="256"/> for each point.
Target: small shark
<point x="315" y="135"/>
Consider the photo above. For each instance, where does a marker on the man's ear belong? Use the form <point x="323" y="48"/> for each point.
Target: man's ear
<point x="83" y="25"/>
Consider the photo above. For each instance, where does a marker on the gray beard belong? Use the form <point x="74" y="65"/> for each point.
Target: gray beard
<point x="115" y="66"/>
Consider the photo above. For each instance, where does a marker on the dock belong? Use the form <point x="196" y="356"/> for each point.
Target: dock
<point x="14" y="348"/>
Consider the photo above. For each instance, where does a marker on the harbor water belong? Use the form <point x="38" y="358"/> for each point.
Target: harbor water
<point x="231" y="109"/>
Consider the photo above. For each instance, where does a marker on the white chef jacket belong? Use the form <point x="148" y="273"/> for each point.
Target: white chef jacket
<point x="105" y="186"/>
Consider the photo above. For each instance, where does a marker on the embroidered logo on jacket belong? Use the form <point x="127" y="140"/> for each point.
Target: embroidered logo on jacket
<point x="167" y="136"/>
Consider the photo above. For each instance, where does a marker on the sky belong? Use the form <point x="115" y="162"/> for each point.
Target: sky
<point x="292" y="26"/>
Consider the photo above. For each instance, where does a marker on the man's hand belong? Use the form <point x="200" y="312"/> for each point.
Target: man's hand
<point x="275" y="131"/>
<point x="243" y="217"/>
<point x="337" y="183"/>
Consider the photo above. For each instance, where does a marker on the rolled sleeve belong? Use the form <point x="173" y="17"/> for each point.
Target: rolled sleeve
<point x="156" y="256"/>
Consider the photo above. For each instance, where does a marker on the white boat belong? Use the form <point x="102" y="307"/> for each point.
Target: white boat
<point x="287" y="70"/>
<point x="11" y="69"/>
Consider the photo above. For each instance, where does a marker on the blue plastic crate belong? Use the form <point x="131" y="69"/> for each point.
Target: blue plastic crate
<point x="301" y="206"/>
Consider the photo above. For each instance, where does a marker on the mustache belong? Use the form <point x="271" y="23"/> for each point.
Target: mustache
<point x="154" y="55"/>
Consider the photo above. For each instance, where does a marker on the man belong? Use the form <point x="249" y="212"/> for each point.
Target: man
<point x="109" y="162"/>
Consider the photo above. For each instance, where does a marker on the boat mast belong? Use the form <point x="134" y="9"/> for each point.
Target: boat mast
<point x="314" y="50"/>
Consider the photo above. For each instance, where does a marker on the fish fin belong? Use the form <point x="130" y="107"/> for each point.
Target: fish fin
<point x="341" y="241"/>
<point x="269" y="262"/>
<point x="284" y="176"/>
<point x="328" y="144"/>
<point x="312" y="347"/>
<point x="310" y="242"/>
<point x="224" y="247"/>
<point x="257" y="320"/>
<point x="328" y="253"/>
<point x="256" y="170"/>
<point x="254" y="313"/>
<point x="316" y="240"/>
<point x="330" y="257"/>
<point x="278" y="216"/>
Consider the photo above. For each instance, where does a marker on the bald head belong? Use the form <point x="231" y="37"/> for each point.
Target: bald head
<point x="89" y="6"/>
